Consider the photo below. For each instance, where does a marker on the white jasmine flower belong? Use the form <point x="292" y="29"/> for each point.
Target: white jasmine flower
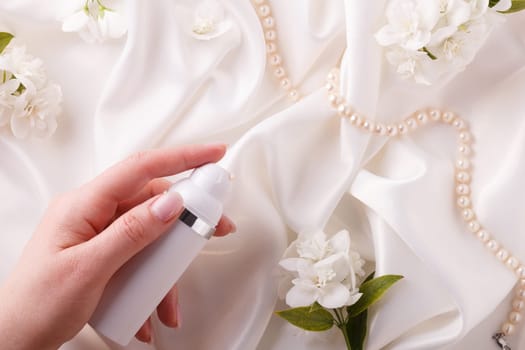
<point x="209" y="20"/>
<point x="409" y="64"/>
<point x="35" y="114"/>
<point x="28" y="70"/>
<point x="96" y="21"/>
<point x="325" y="270"/>
<point x="458" y="43"/>
<point x="431" y="40"/>
<point x="410" y="23"/>
<point x="29" y="103"/>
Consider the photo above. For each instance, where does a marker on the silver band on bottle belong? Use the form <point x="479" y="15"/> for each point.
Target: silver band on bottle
<point x="198" y="225"/>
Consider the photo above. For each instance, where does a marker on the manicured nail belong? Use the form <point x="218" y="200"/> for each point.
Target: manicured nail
<point x="167" y="206"/>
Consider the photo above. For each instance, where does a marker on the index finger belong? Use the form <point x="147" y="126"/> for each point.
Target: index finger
<point x="124" y="179"/>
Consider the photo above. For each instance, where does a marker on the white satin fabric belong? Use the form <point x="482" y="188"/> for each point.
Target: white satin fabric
<point x="298" y="166"/>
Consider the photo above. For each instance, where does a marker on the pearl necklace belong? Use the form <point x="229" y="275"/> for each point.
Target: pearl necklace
<point x="463" y="177"/>
<point x="463" y="174"/>
<point x="274" y="58"/>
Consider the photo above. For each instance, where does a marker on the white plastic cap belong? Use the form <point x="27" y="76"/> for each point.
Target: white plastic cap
<point x="213" y="179"/>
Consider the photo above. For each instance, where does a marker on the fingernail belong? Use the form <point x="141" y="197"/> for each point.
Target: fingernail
<point x="233" y="227"/>
<point x="179" y="319"/>
<point x="167" y="206"/>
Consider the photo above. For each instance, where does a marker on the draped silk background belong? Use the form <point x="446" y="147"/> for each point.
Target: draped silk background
<point x="298" y="166"/>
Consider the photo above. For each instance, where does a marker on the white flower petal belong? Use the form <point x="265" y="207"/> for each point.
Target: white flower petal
<point x="459" y="13"/>
<point x="20" y="126"/>
<point x="354" y="297"/>
<point x="340" y="242"/>
<point x="388" y="35"/>
<point x="502" y="5"/>
<point x="9" y="87"/>
<point x="333" y="296"/>
<point x="337" y="264"/>
<point x="291" y="264"/>
<point x="302" y="294"/>
<point x="312" y="245"/>
<point x="76" y="22"/>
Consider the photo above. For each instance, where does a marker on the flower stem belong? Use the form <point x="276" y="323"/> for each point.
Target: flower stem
<point x="345" y="334"/>
<point x="341" y="324"/>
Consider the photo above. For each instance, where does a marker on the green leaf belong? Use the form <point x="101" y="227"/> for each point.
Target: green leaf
<point x="311" y="318"/>
<point x="517" y="5"/>
<point x="493" y="3"/>
<point x="356" y="329"/>
<point x="5" y="39"/>
<point x="372" y="291"/>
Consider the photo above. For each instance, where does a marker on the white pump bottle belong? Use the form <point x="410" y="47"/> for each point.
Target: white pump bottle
<point x="138" y="287"/>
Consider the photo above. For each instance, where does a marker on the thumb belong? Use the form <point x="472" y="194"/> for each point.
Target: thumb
<point x="135" y="230"/>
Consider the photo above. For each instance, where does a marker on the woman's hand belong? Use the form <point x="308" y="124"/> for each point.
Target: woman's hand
<point x="85" y="236"/>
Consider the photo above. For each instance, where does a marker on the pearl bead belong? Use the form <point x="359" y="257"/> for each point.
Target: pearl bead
<point x="353" y="118"/>
<point x="402" y="128"/>
<point x="502" y="254"/>
<point x="294" y="95"/>
<point x="463" y="163"/>
<point x="380" y="129"/>
<point x="512" y="262"/>
<point x="464" y="202"/>
<point x="474" y="226"/>
<point x="521" y="282"/>
<point x="422" y="118"/>
<point x="331" y="76"/>
<point x="492" y="245"/>
<point x="448" y="117"/>
<point x="411" y="123"/>
<point x="520" y="293"/>
<point x="515" y="317"/>
<point x="268" y="22"/>
<point x="459" y="124"/>
<point x="468" y="214"/>
<point x="358" y="120"/>
<point x="275" y="60"/>
<point x="520" y="271"/>
<point x="332" y="98"/>
<point x="483" y="236"/>
<point x="367" y="125"/>
<point x="271" y="47"/>
<point x="463" y="177"/>
<point x="270" y="35"/>
<point x="507" y="328"/>
<point x="279" y="72"/>
<point x="462" y="189"/>
<point x="258" y="2"/>
<point x="287" y="84"/>
<point x="341" y="109"/>
<point x="264" y="10"/>
<point x="435" y="115"/>
<point x="465" y="136"/>
<point x="391" y="130"/>
<point x="518" y="304"/>
<point x="464" y="149"/>
<point x="329" y="87"/>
